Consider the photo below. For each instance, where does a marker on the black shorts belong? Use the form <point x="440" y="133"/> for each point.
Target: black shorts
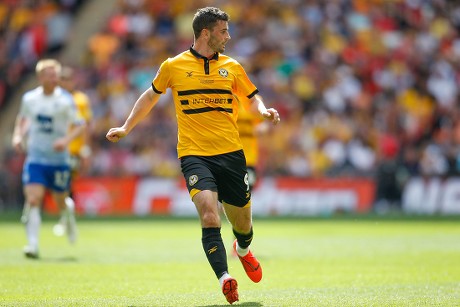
<point x="225" y="174"/>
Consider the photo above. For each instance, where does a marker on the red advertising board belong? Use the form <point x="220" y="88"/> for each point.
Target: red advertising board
<point x="272" y="196"/>
<point x="100" y="196"/>
<point x="363" y="188"/>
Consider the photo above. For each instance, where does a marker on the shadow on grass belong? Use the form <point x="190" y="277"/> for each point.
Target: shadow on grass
<point x="66" y="259"/>
<point x="247" y="304"/>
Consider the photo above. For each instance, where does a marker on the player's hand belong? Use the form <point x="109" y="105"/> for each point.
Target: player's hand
<point x="115" y="134"/>
<point x="60" y="144"/>
<point x="18" y="144"/>
<point x="272" y="115"/>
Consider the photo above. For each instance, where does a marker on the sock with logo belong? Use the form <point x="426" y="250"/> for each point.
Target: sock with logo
<point x="215" y="250"/>
<point x="243" y="241"/>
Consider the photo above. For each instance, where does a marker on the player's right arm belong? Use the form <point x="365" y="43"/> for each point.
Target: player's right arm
<point x="20" y="128"/>
<point x="141" y="108"/>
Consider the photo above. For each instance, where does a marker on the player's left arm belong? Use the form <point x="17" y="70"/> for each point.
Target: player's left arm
<point x="76" y="129"/>
<point x="244" y="85"/>
<point x="269" y="114"/>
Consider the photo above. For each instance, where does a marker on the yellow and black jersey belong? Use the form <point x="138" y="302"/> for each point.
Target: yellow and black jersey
<point x="203" y="90"/>
<point x="247" y="123"/>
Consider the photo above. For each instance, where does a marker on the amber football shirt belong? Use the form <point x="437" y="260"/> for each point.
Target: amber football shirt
<point x="85" y="112"/>
<point x="203" y="92"/>
<point x="247" y="123"/>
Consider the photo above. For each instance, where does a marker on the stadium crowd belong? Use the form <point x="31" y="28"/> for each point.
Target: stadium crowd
<point x="28" y="31"/>
<point x="364" y="87"/>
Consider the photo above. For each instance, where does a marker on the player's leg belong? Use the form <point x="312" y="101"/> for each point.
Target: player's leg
<point x="241" y="220"/>
<point x="213" y="245"/>
<point x="203" y="191"/>
<point x="206" y="205"/>
<point x="34" y="194"/>
<point x="235" y="196"/>
<point x="67" y="222"/>
<point x="60" y="192"/>
<point x="75" y="163"/>
<point x="34" y="182"/>
<point x="71" y="226"/>
<point x="251" y="183"/>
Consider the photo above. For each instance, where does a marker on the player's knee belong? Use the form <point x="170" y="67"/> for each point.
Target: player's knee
<point x="210" y="219"/>
<point x="34" y="201"/>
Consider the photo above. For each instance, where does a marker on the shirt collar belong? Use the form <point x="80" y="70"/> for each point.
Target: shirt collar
<point x="57" y="91"/>
<point x="199" y="56"/>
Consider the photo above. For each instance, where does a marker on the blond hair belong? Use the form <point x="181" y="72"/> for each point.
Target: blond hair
<point x="46" y="63"/>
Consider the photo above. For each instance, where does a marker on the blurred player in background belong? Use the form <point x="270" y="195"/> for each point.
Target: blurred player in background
<point x="79" y="148"/>
<point x="204" y="82"/>
<point x="46" y="124"/>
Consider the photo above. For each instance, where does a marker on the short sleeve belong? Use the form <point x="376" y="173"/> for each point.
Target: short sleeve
<point x="243" y="85"/>
<point x="24" y="108"/>
<point x="162" y="79"/>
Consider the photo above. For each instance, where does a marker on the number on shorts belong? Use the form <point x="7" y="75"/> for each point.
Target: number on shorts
<point x="61" y="178"/>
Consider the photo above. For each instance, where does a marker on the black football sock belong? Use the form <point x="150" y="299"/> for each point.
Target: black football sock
<point x="215" y="250"/>
<point x="244" y="240"/>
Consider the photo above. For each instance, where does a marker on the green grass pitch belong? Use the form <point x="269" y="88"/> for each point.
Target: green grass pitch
<point x="306" y="262"/>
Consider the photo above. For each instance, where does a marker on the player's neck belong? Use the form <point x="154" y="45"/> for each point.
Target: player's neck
<point x="203" y="49"/>
<point x="48" y="90"/>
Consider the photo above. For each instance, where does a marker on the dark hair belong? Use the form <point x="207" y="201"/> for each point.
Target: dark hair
<point x="206" y="18"/>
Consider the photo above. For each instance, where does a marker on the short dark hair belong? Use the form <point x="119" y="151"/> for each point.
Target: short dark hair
<point x="206" y="18"/>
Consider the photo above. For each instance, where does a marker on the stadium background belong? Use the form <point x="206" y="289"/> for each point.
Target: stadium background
<point x="367" y="91"/>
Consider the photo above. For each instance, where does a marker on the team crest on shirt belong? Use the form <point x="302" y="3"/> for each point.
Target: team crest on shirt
<point x="192" y="180"/>
<point x="223" y="72"/>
